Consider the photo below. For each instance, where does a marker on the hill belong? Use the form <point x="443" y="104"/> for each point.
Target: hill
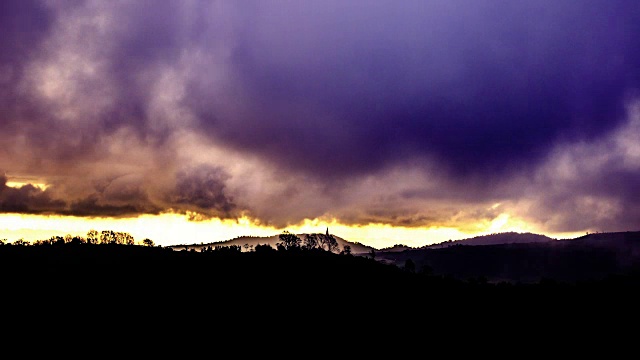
<point x="396" y="248"/>
<point x="253" y="241"/>
<point x="495" y="239"/>
<point x="154" y="287"/>
<point x="491" y="239"/>
<point x="587" y="258"/>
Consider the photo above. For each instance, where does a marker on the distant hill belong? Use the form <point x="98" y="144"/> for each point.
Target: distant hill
<point x="496" y="239"/>
<point x="252" y="241"/>
<point x="396" y="248"/>
<point x="589" y="257"/>
<point x="624" y="239"/>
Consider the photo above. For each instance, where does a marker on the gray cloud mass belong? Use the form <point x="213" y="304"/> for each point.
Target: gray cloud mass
<point x="412" y="113"/>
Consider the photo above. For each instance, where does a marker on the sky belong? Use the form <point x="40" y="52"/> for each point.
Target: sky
<point x="412" y="122"/>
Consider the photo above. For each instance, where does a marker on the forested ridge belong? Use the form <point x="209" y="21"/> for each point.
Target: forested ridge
<point x="290" y="276"/>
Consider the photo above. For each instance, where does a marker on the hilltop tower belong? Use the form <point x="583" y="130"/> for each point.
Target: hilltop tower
<point x="327" y="231"/>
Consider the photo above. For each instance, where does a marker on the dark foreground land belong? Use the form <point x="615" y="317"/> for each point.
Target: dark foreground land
<point x="312" y="286"/>
<point x="593" y="257"/>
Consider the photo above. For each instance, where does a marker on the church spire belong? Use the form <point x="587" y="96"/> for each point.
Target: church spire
<point x="327" y="231"/>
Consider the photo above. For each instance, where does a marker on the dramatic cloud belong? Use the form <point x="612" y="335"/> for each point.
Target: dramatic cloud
<point x="412" y="113"/>
<point x="203" y="188"/>
<point x="27" y="199"/>
<point x="590" y="185"/>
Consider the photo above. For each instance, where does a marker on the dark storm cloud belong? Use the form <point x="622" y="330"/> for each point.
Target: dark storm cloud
<point x="326" y="94"/>
<point x="606" y="202"/>
<point x="22" y="25"/>
<point x="27" y="199"/>
<point x="93" y="206"/>
<point x="116" y="197"/>
<point x="482" y="86"/>
<point x="591" y="187"/>
<point x="203" y="188"/>
<point x="200" y="190"/>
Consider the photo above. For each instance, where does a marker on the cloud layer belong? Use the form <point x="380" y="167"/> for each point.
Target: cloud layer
<point x="415" y="113"/>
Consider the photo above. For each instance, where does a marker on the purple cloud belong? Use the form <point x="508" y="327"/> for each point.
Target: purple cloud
<point x="228" y="108"/>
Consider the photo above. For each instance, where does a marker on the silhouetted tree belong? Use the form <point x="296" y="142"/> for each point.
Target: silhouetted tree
<point x="372" y="253"/>
<point x="329" y="243"/>
<point x="346" y="250"/>
<point x="56" y="240"/>
<point x="289" y="241"/>
<point x="227" y="249"/>
<point x="264" y="248"/>
<point x="125" y="238"/>
<point x="113" y="237"/>
<point x="93" y="237"/>
<point x="76" y="240"/>
<point x="108" y="237"/>
<point x="148" y="242"/>
<point x="311" y="241"/>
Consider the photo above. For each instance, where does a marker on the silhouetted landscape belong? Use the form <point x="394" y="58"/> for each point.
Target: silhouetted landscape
<point x="249" y="242"/>
<point x="527" y="258"/>
<point x="378" y="134"/>
<point x="317" y="273"/>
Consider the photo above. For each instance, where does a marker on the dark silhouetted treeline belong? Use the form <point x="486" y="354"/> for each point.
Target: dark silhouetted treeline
<point x="291" y="281"/>
<point x="593" y="257"/>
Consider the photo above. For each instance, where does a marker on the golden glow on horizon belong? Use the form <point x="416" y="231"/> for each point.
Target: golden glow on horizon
<point x="19" y="184"/>
<point x="174" y="229"/>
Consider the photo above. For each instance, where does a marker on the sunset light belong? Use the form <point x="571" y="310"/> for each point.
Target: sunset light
<point x="175" y="229"/>
<point x="402" y="123"/>
<point x="296" y="165"/>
